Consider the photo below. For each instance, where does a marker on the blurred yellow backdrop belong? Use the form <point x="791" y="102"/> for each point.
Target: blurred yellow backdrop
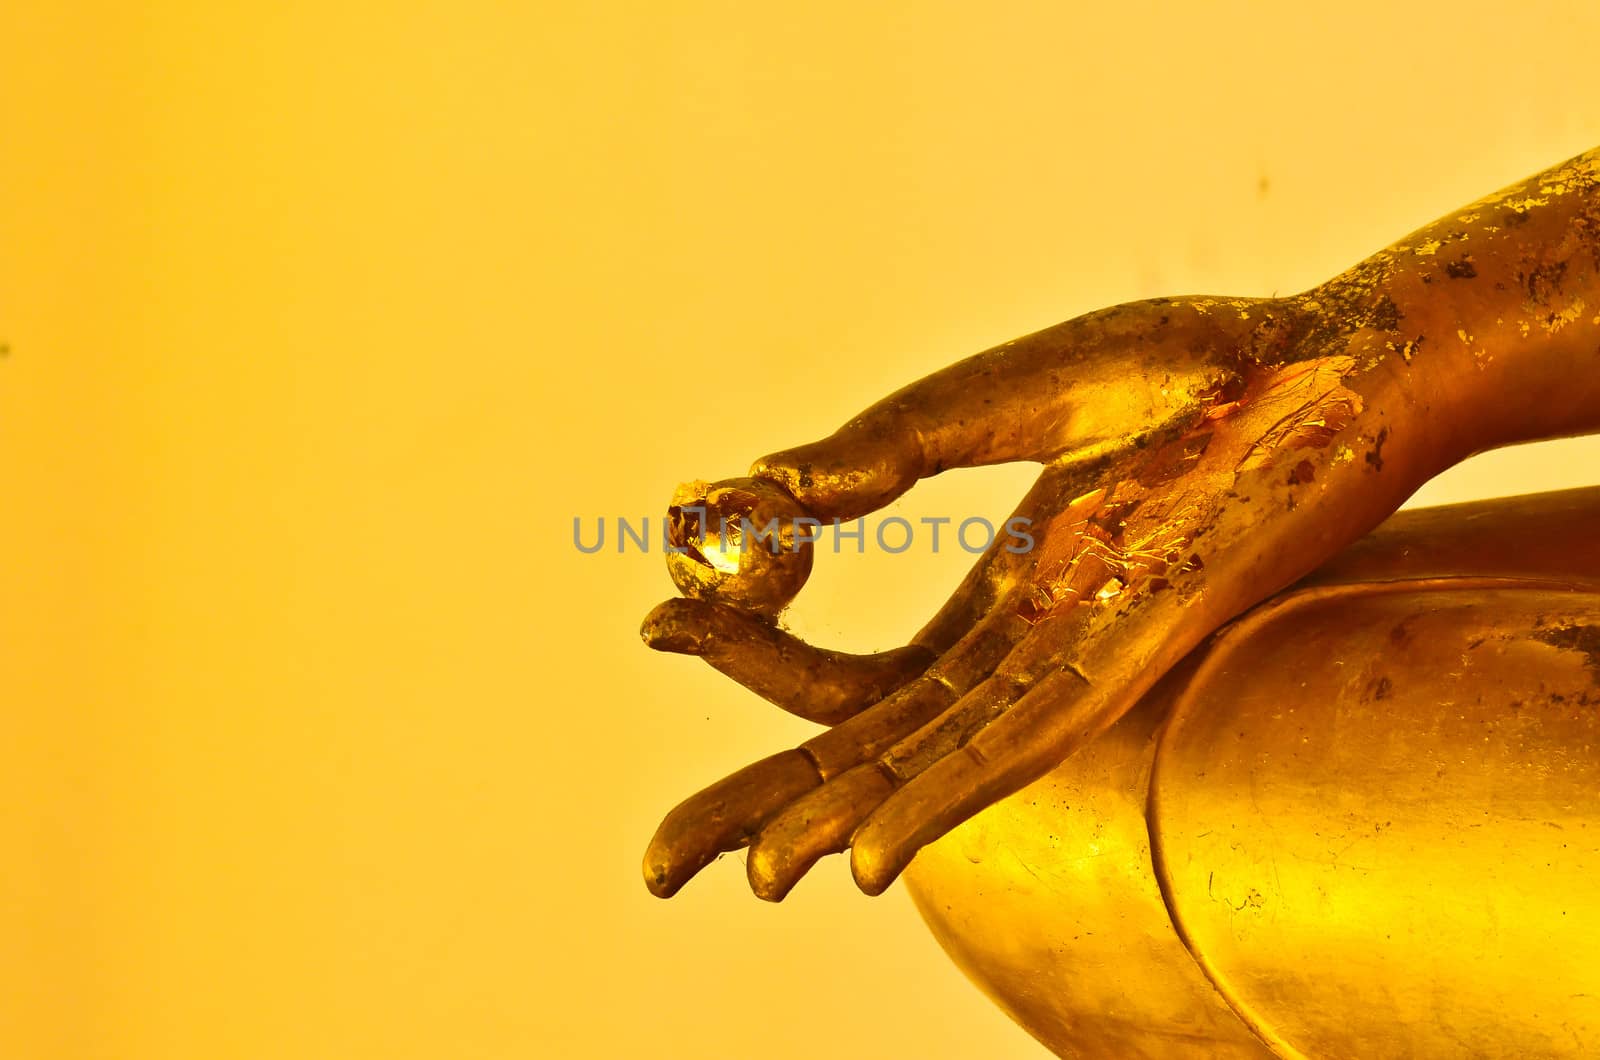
<point x="325" y="321"/>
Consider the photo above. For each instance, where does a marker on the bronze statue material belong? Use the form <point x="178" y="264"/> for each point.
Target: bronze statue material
<point x="1239" y="819"/>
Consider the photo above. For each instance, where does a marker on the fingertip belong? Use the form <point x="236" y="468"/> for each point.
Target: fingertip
<point x="874" y="870"/>
<point x="672" y="858"/>
<point x="889" y="838"/>
<point x="675" y="626"/>
<point x="658" y="878"/>
<point x="765" y="869"/>
<point x="723" y="817"/>
<point x="842" y="476"/>
<point x="926" y="808"/>
<point x="797" y="475"/>
<point x="783" y="468"/>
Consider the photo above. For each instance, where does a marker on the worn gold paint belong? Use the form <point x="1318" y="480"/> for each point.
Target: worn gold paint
<point x="1200" y="455"/>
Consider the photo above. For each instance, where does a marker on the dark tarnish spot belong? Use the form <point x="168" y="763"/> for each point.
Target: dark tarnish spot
<point x="1582" y="639"/>
<point x="1386" y="315"/>
<point x="1544" y="283"/>
<point x="1375" y="454"/>
<point x="1461" y="270"/>
<point x="1224" y="392"/>
<point x="1303" y="472"/>
<point x="1343" y="305"/>
<point x="1401" y="634"/>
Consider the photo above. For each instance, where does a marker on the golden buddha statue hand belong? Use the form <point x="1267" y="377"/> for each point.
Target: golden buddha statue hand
<point x="1200" y="454"/>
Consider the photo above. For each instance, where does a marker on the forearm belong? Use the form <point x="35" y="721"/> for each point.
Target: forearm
<point x="1494" y="310"/>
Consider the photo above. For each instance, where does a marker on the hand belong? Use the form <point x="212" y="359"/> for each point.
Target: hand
<point x="1199" y="455"/>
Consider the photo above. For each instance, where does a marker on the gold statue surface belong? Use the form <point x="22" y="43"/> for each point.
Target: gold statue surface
<point x="1359" y="820"/>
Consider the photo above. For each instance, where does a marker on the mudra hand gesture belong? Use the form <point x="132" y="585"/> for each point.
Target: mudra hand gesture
<point x="1199" y="455"/>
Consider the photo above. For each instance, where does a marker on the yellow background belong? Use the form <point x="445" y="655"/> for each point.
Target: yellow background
<point x="320" y="739"/>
